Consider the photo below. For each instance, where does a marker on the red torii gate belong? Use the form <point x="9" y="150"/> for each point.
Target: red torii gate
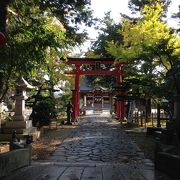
<point x="78" y="71"/>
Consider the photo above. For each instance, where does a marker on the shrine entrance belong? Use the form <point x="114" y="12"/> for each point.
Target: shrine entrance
<point x="96" y="66"/>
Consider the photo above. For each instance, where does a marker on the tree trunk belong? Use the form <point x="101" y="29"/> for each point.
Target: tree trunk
<point x="177" y="115"/>
<point x="148" y="109"/>
<point x="3" y="15"/>
<point x="158" y="115"/>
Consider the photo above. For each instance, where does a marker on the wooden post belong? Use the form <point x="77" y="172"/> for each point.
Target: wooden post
<point x="158" y="116"/>
<point x="152" y="119"/>
<point x="142" y="120"/>
<point x="84" y="100"/>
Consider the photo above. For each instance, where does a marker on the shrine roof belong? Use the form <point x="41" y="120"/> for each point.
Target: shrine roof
<point x="90" y="88"/>
<point x="86" y="88"/>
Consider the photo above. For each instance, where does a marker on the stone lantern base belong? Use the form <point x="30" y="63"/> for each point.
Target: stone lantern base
<point x="21" y="124"/>
<point x="22" y="129"/>
<point x="6" y="134"/>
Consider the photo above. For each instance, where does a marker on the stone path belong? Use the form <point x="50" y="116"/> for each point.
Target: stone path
<point x="98" y="149"/>
<point x="97" y="140"/>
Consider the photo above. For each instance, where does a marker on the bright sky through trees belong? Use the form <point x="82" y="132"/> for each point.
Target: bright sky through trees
<point x="121" y="6"/>
<point x="116" y="7"/>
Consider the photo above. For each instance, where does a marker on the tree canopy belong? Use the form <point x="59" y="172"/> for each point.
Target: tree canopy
<point x="148" y="40"/>
<point x="108" y="30"/>
<point x="137" y="5"/>
<point x="39" y="34"/>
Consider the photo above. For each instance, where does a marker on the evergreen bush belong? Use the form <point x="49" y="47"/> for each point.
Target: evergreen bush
<point x="43" y="112"/>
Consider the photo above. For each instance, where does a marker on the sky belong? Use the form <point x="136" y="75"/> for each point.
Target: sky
<point x="116" y="7"/>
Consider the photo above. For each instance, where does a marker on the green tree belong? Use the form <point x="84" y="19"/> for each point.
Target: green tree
<point x="152" y="48"/>
<point x="35" y="31"/>
<point x="108" y="30"/>
<point x="3" y="14"/>
<point x="72" y="14"/>
<point x="137" y="5"/>
<point x="148" y="37"/>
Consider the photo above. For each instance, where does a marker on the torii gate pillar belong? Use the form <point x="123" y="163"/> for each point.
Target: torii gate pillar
<point x="120" y="105"/>
<point x="73" y="103"/>
<point x="76" y="95"/>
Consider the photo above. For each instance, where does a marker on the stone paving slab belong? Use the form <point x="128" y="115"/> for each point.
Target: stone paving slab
<point x="92" y="173"/>
<point x="72" y="173"/>
<point x="78" y="171"/>
<point x="99" y="149"/>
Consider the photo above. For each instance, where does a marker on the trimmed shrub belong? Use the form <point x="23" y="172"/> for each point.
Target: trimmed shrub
<point x="43" y="112"/>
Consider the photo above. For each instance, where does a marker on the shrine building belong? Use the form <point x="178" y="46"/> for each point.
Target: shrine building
<point x="96" y="100"/>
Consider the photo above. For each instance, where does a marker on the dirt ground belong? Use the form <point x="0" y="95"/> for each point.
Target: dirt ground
<point x="49" y="141"/>
<point x="145" y="142"/>
<point x="4" y="148"/>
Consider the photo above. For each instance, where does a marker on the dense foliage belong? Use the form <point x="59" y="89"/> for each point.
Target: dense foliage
<point x="38" y="34"/>
<point x="149" y="44"/>
<point x="137" y="5"/>
<point x="108" y="30"/>
<point x="44" y="112"/>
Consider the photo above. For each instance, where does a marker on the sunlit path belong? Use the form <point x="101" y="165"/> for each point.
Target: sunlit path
<point x="98" y="139"/>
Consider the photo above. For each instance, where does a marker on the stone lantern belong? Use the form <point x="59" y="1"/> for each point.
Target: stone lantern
<point x="20" y="97"/>
<point x="19" y="122"/>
